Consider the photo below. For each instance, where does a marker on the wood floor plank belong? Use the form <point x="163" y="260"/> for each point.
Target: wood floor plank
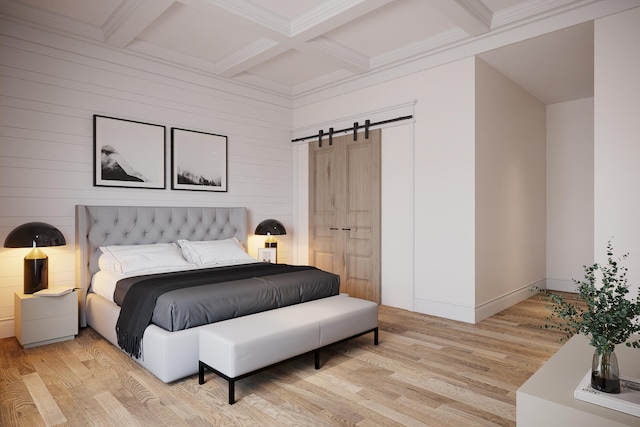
<point x="426" y="371"/>
<point x="15" y="396"/>
<point x="178" y="413"/>
<point x="44" y="401"/>
<point x="118" y="414"/>
<point x="392" y="414"/>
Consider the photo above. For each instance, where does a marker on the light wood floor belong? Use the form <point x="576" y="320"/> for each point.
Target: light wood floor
<point x="426" y="371"/>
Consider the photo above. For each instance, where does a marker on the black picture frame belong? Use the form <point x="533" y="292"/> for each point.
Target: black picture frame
<point x="198" y="160"/>
<point x="128" y="153"/>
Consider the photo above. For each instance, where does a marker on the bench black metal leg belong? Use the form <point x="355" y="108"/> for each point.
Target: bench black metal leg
<point x="375" y="336"/>
<point x="232" y="392"/>
<point x="316" y="355"/>
<point x="201" y="373"/>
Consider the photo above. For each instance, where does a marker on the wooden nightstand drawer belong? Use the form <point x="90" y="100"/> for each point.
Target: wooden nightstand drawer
<point x="44" y="320"/>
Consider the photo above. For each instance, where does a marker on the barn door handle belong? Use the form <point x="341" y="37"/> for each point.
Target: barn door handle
<point x="333" y="228"/>
<point x="346" y="229"/>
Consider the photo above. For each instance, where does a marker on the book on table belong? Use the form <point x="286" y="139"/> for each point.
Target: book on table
<point x="627" y="401"/>
<point x="54" y="292"/>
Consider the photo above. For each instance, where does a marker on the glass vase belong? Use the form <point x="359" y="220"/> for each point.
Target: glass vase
<point x="605" y="375"/>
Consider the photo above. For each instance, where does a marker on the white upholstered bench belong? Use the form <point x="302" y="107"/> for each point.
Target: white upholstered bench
<point x="239" y="347"/>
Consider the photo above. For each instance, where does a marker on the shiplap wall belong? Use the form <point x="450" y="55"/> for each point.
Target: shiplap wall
<point x="50" y="88"/>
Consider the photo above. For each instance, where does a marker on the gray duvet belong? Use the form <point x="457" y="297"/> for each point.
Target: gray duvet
<point x="189" y="307"/>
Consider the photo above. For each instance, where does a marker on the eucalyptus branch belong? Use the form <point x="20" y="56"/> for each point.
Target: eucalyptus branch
<point x="608" y="317"/>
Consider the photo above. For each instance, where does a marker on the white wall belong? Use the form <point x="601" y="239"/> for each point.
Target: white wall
<point x="569" y="192"/>
<point x="445" y="191"/>
<point x="510" y="192"/>
<point x="617" y="138"/>
<point x="398" y="242"/>
<point x="51" y="86"/>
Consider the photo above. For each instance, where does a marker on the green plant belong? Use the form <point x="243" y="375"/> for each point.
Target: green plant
<point x="605" y="315"/>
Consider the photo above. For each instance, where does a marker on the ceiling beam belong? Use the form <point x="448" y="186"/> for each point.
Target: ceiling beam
<point x="280" y="36"/>
<point x="337" y="54"/>
<point x="330" y="15"/>
<point x="131" y="19"/>
<point x="473" y="16"/>
<point x="258" y="52"/>
<point x="270" y="24"/>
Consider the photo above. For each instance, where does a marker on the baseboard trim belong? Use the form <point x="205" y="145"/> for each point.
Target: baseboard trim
<point x="445" y="310"/>
<point x="562" y="285"/>
<point x="505" y="301"/>
<point x="476" y="314"/>
<point x="6" y="328"/>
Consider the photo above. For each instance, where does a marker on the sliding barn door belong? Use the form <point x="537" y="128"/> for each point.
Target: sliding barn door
<point x="344" y="199"/>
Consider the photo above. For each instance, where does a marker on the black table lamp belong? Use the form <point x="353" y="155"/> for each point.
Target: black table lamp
<point x="35" y="235"/>
<point x="270" y="228"/>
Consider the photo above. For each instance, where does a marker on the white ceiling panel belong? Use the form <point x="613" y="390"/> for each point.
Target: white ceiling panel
<point x="288" y="8"/>
<point x="391" y="27"/>
<point x="554" y="67"/>
<point x="292" y="68"/>
<point x="203" y="36"/>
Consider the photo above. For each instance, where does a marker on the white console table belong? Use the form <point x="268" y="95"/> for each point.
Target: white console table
<point x="546" y="399"/>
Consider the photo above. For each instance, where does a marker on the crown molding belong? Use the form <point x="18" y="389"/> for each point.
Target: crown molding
<point x="29" y="15"/>
<point x="121" y="14"/>
<point x="534" y="8"/>
<point x="322" y="81"/>
<point x="269" y="86"/>
<point x="145" y="49"/>
<point x="131" y="19"/>
<point x="441" y="41"/>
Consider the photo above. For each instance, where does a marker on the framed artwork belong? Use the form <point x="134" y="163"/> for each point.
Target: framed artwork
<point x="128" y="153"/>
<point x="198" y="160"/>
<point x="267" y="255"/>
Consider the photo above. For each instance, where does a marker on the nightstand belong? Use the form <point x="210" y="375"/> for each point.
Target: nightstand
<point x="40" y="320"/>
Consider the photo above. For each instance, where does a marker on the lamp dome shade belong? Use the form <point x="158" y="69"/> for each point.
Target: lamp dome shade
<point x="41" y="233"/>
<point x="270" y="226"/>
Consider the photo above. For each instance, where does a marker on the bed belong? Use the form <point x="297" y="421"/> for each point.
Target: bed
<point x="169" y="355"/>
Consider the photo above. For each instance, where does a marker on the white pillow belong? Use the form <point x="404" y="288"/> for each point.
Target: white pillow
<point x="130" y="258"/>
<point x="213" y="251"/>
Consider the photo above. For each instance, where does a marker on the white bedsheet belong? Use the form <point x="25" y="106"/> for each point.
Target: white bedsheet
<point x="103" y="282"/>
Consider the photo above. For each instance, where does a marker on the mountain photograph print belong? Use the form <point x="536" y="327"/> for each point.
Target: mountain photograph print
<point x="128" y="153"/>
<point x="198" y="161"/>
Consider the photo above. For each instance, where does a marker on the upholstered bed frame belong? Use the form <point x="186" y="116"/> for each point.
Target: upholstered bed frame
<point x="168" y="355"/>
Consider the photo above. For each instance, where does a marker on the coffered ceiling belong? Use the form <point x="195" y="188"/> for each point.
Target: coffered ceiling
<point x="295" y="47"/>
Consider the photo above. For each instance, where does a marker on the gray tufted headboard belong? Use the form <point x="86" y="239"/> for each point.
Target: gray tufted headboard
<point x="135" y="225"/>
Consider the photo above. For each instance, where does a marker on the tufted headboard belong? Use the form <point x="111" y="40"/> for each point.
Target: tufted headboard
<point x="135" y="225"/>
